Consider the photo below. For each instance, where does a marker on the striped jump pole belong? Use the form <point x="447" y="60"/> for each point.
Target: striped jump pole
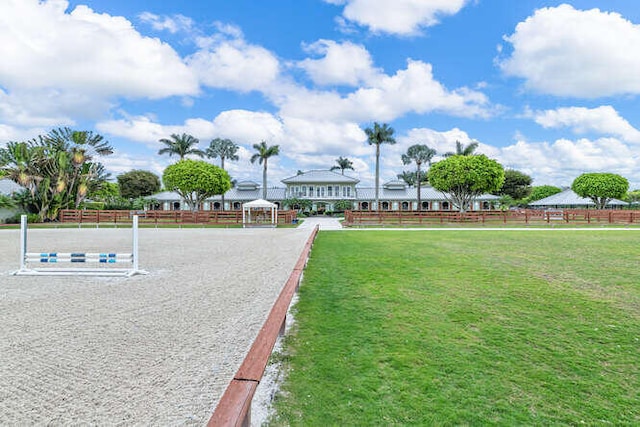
<point x="53" y="260"/>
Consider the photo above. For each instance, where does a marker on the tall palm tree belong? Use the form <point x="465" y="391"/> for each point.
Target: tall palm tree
<point x="262" y="155"/>
<point x="342" y="164"/>
<point x="377" y="136"/>
<point x="463" y="150"/>
<point x="181" y="145"/>
<point x="225" y="149"/>
<point x="420" y="154"/>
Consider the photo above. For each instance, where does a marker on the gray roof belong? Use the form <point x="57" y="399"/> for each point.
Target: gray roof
<point x="410" y="193"/>
<point x="7" y="187"/>
<point x="320" y="177"/>
<point x="234" y="194"/>
<point x="570" y="198"/>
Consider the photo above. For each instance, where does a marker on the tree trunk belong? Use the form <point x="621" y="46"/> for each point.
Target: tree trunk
<point x="264" y="180"/>
<point x="377" y="176"/>
<point x="418" y="178"/>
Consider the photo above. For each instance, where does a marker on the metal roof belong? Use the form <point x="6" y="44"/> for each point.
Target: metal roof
<point x="410" y="193"/>
<point x="7" y="187"/>
<point x="320" y="177"/>
<point x="569" y="198"/>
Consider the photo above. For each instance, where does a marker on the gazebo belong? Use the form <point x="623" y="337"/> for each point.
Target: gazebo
<point x="259" y="213"/>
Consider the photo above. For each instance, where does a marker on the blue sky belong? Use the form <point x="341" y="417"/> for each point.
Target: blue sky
<point x="549" y="88"/>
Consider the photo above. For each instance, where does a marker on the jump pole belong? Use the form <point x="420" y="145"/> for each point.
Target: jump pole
<point x="77" y="257"/>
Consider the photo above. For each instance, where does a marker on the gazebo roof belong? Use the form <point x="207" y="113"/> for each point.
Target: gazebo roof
<point x="259" y="203"/>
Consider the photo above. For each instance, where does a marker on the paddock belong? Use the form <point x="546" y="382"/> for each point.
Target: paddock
<point x="154" y="349"/>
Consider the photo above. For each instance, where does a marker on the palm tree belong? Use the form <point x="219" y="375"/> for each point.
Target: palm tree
<point x="462" y="150"/>
<point x="262" y="155"/>
<point x="181" y="145"/>
<point x="377" y="136"/>
<point x="418" y="153"/>
<point x="342" y="164"/>
<point x="225" y="149"/>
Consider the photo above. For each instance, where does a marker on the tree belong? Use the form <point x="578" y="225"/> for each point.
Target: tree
<point x="343" y="205"/>
<point x="420" y="154"/>
<point x="58" y="169"/>
<point x="138" y="183"/>
<point x="409" y="177"/>
<point x="516" y="184"/>
<point x="600" y="187"/>
<point x="182" y="145"/>
<point x="633" y="197"/>
<point x="466" y="177"/>
<point x="225" y="149"/>
<point x="300" y="205"/>
<point x="262" y="156"/>
<point x="541" y="192"/>
<point x="462" y="150"/>
<point x="378" y="135"/>
<point x="195" y="180"/>
<point x="342" y="164"/>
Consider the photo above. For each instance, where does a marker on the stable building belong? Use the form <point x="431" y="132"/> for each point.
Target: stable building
<point x="324" y="188"/>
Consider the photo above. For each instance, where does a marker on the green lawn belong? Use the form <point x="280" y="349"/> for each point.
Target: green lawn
<point x="466" y="328"/>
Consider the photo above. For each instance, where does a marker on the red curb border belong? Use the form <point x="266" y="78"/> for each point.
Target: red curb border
<point x="234" y="408"/>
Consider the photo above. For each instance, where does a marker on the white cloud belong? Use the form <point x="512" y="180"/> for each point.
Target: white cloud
<point x="412" y="90"/>
<point x="173" y="24"/>
<point x="567" y="52"/>
<point x="226" y="61"/>
<point x="560" y="162"/>
<point x="342" y="63"/>
<point x="82" y="51"/>
<point x="61" y="66"/>
<point x="400" y="17"/>
<point x="603" y="120"/>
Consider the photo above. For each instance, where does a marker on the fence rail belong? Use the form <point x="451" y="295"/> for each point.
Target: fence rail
<point x="522" y="216"/>
<point x="163" y="217"/>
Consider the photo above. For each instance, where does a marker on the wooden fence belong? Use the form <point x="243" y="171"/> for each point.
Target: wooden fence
<point x="514" y="217"/>
<point x="163" y="217"/>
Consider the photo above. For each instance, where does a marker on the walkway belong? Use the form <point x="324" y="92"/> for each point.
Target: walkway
<point x="325" y="223"/>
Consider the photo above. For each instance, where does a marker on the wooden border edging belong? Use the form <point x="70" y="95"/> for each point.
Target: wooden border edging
<point x="234" y="408"/>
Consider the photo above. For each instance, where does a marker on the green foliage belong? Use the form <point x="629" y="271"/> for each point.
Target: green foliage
<point x="542" y="191"/>
<point x="58" y="169"/>
<point x="263" y="152"/>
<point x="7" y="202"/>
<point x="409" y="177"/>
<point x="342" y="164"/>
<point x="138" y="183"/>
<point x="516" y="184"/>
<point x="225" y="149"/>
<point x="342" y="205"/>
<point x="301" y="205"/>
<point x="181" y="145"/>
<point x="463" y="150"/>
<point x="196" y="180"/>
<point x="466" y="177"/>
<point x="378" y="135"/>
<point x="600" y="187"/>
<point x="633" y="197"/>
<point x="420" y="154"/>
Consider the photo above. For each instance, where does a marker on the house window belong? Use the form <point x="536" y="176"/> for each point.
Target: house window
<point x="385" y="206"/>
<point x="364" y="206"/>
<point x="297" y="191"/>
<point x="425" y="206"/>
<point x="348" y="191"/>
<point x="216" y="206"/>
<point x="445" y="206"/>
<point x="337" y="188"/>
<point x="330" y="191"/>
<point x="344" y="191"/>
<point x="322" y="191"/>
<point x="304" y="190"/>
<point x="317" y="191"/>
<point x="236" y="206"/>
<point x="311" y="191"/>
<point x="405" y="206"/>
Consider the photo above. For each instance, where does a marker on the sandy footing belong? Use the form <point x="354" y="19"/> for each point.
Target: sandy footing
<point x="158" y="349"/>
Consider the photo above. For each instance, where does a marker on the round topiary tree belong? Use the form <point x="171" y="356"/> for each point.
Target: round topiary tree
<point x="542" y="191"/>
<point x="196" y="180"/>
<point x="600" y="187"/>
<point x="466" y="177"/>
<point x="138" y="183"/>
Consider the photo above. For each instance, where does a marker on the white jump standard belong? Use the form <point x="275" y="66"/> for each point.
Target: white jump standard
<point x="106" y="259"/>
